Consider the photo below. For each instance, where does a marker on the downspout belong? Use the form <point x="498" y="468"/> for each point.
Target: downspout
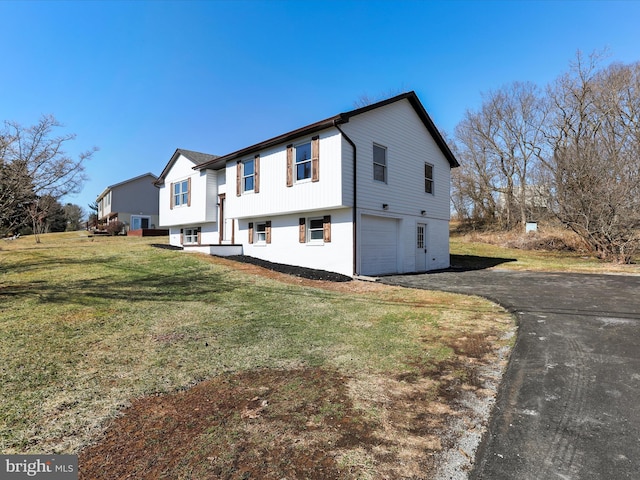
<point x="355" y="197"/>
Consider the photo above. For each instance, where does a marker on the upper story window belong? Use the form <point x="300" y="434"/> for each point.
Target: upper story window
<point x="248" y="175"/>
<point x="379" y="163"/>
<point x="180" y="194"/>
<point x="303" y="161"/>
<point x="428" y="178"/>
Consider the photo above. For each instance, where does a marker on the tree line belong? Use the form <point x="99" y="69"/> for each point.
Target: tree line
<point x="35" y="174"/>
<point x="569" y="152"/>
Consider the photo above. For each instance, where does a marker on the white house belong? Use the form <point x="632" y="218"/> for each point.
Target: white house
<point x="365" y="192"/>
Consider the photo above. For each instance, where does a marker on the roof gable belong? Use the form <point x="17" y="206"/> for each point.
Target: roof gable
<point x="341" y="118"/>
<point x="197" y="158"/>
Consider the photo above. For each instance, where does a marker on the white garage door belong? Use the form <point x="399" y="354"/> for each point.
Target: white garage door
<point x="379" y="245"/>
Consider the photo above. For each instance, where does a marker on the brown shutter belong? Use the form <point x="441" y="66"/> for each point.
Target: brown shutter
<point x="326" y="228"/>
<point x="268" y="230"/>
<point x="256" y="174"/>
<point x="182" y="236"/>
<point x="239" y="179"/>
<point x="302" y="230"/>
<point x="315" y="159"/>
<point x="189" y="192"/>
<point x="198" y="234"/>
<point x="289" y="165"/>
<point x="171" y="195"/>
<point x="250" y="232"/>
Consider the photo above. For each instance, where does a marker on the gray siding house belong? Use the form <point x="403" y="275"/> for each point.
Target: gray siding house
<point x="133" y="202"/>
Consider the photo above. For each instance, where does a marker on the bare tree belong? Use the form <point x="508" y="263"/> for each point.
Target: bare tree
<point x="500" y="144"/>
<point x="44" y="164"/>
<point x="595" y="136"/>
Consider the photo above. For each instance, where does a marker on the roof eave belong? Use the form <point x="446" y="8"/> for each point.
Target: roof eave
<point x="287" y="137"/>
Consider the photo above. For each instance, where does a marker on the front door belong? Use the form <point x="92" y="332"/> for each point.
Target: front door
<point x="421" y="247"/>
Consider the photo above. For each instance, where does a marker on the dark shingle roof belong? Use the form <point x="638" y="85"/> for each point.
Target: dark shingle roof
<point x="197" y="157"/>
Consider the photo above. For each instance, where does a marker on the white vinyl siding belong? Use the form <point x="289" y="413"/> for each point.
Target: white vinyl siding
<point x="335" y="255"/>
<point x="276" y="198"/>
<point x="203" y="210"/>
<point x="398" y="127"/>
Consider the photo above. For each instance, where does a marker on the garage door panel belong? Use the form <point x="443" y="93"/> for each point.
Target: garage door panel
<point x="379" y="245"/>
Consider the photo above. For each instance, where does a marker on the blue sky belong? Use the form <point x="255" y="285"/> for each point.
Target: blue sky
<point x="139" y="79"/>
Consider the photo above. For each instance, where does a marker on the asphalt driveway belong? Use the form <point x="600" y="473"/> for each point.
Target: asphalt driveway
<point x="569" y="404"/>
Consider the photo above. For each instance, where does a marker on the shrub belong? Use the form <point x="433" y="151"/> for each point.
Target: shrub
<point x="115" y="228"/>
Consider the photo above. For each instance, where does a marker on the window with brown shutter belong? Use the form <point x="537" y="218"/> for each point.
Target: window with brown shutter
<point x="315" y="159"/>
<point x="326" y="228"/>
<point x="302" y="230"/>
<point x="250" y="232"/>
<point x="289" y="165"/>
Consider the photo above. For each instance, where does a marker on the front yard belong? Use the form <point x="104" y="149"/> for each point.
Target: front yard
<point x="159" y="364"/>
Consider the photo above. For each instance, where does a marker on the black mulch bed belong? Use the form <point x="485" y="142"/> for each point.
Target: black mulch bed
<point x="166" y="246"/>
<point x="302" y="272"/>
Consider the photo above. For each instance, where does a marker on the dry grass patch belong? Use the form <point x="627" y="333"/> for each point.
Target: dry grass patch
<point x="548" y="249"/>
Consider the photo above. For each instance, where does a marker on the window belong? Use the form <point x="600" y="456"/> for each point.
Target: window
<point x="303" y="161"/>
<point x="138" y="222"/>
<point x="261" y="233"/>
<point x="420" y="236"/>
<point x="181" y="193"/>
<point x="379" y="163"/>
<point x="190" y="235"/>
<point x="428" y="178"/>
<point x="315" y="230"/>
<point x="248" y="176"/>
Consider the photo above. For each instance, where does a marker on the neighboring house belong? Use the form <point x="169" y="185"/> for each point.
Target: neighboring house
<point x="133" y="202"/>
<point x="365" y="192"/>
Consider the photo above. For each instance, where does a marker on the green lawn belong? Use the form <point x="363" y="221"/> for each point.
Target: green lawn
<point x="88" y="324"/>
